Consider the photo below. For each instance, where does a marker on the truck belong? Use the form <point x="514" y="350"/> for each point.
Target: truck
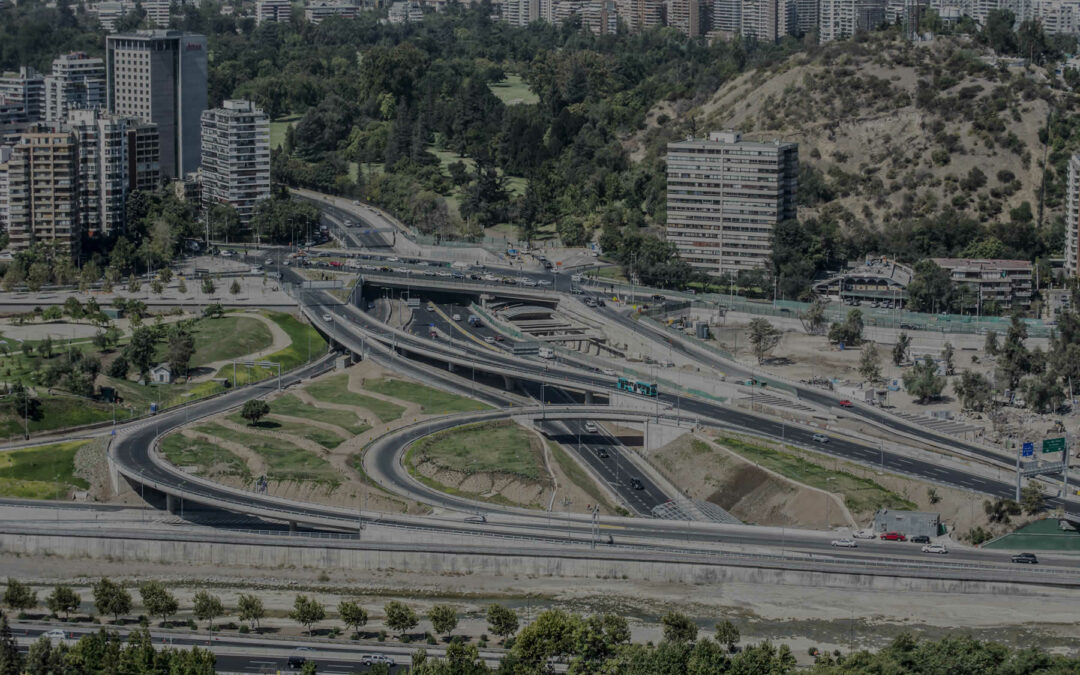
<point x="546" y="353"/>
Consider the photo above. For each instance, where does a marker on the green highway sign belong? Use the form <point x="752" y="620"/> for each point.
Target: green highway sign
<point x="1053" y="445"/>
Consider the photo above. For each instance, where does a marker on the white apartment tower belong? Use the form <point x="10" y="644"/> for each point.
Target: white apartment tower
<point x="277" y="11"/>
<point x="724" y="197"/>
<point x="1072" y="218"/>
<point x="159" y="76"/>
<point x="77" y="82"/>
<point x="235" y="157"/>
<point x="26" y="87"/>
<point x="843" y="18"/>
<point x="43" y="188"/>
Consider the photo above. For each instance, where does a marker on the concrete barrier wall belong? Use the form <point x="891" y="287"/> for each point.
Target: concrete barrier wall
<point x="247" y="556"/>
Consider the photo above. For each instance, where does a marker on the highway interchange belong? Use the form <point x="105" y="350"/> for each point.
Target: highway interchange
<point x="358" y="330"/>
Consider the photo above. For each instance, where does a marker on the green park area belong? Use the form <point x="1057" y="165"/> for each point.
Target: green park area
<point x="1041" y="535"/>
<point x="211" y="458"/>
<point x="512" y="90"/>
<point x="284" y="460"/>
<point x="324" y="437"/>
<point x="305" y="344"/>
<point x="227" y="337"/>
<point x="278" y="129"/>
<point x="43" y="472"/>
<point x="498" y="447"/>
<point x="861" y="495"/>
<point x="336" y="390"/>
<point x="50" y="412"/>
<point x="431" y="401"/>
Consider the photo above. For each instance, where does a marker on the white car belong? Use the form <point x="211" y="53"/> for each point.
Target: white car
<point x="844" y="543"/>
<point x="528" y="282"/>
<point x="326" y="317"/>
<point x="393" y="258"/>
<point x="55" y="635"/>
<point x="457" y="317"/>
<point x="490" y="277"/>
<point x="590" y="427"/>
<point x="820" y="438"/>
<point x="490" y="340"/>
<point x="863" y="534"/>
<point x="608" y="371"/>
<point x="935" y="548"/>
<point x="442" y="274"/>
<point x="227" y="253"/>
<point x="543" y="282"/>
<point x="401" y="270"/>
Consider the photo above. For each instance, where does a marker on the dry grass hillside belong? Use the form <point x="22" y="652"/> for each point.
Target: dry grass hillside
<point x="893" y="131"/>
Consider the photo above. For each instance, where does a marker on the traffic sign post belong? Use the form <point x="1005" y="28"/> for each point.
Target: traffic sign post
<point x="1053" y="445"/>
<point x="1029" y="449"/>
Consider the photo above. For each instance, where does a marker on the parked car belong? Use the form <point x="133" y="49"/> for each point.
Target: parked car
<point x="863" y="534"/>
<point x="893" y="536"/>
<point x="844" y="543"/>
<point x="935" y="548"/>
<point x="820" y="438"/>
<point x="1025" y="558"/>
<point x="920" y="539"/>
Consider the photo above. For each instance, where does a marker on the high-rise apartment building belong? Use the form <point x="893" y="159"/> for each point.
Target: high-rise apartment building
<point x="764" y="20"/>
<point x="5" y="157"/>
<point x="117" y="155"/>
<point x="43" y="191"/>
<point x="685" y="17"/>
<point x="521" y="12"/>
<point x="843" y="18"/>
<point x="77" y="81"/>
<point x="727" y="18"/>
<point x="639" y="15"/>
<point x="235" y="157"/>
<point x="1072" y="218"/>
<point x="27" y="86"/>
<point x="805" y="17"/>
<point x="277" y="11"/>
<point x="159" y="76"/>
<point x="317" y="12"/>
<point x="724" y="197"/>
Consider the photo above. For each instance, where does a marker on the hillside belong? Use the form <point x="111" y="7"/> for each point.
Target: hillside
<point x="893" y="133"/>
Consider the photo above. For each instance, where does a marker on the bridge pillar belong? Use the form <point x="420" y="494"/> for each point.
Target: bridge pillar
<point x="450" y="367"/>
<point x="172" y="503"/>
<point x="588" y="398"/>
<point x="292" y="527"/>
<point x="508" y="383"/>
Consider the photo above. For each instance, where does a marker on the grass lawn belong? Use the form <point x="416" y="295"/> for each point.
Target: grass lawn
<point x="489" y="446"/>
<point x="45" y="472"/>
<point x="323" y="437"/>
<point x="284" y="461"/>
<point x="228" y="337"/>
<point x="861" y="495"/>
<point x="578" y="477"/>
<point x="58" y="412"/>
<point x="1041" y="535"/>
<point x="294" y="407"/>
<point x="336" y="390"/>
<point x="614" y="273"/>
<point x="432" y="401"/>
<point x="278" y="127"/>
<point x="183" y="451"/>
<point x="306" y="342"/>
<point x="513" y="91"/>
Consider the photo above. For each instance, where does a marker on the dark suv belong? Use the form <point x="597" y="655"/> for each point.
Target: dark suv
<point x="920" y="539"/>
<point x="636" y="484"/>
<point x="1025" y="558"/>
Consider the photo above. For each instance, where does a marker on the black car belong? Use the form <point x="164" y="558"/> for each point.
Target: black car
<point x="1025" y="558"/>
<point x="636" y="484"/>
<point x="600" y="302"/>
<point x="299" y="657"/>
<point x="920" y="539"/>
<point x="602" y="453"/>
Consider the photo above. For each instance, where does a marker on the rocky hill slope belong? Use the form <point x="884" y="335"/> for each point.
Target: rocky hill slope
<point x="892" y="133"/>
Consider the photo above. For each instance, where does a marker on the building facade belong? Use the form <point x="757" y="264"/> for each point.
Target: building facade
<point x="5" y="157"/>
<point x="840" y="19"/>
<point x="405" y="11"/>
<point x="43" y="191"/>
<point x="1072" y="218"/>
<point x="26" y="87"/>
<point x="639" y="15"/>
<point x="317" y="12"/>
<point x="236" y="157"/>
<point x="724" y="197"/>
<point x="764" y="20"/>
<point x="685" y="17"/>
<point x="1006" y="283"/>
<point x="160" y="77"/>
<point x="276" y="11"/>
<point x="77" y="82"/>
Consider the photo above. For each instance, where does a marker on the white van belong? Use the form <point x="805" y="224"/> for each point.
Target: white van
<point x="546" y="353"/>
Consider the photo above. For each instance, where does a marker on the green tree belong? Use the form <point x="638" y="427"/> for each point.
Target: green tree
<point x="870" y="363"/>
<point x="1031" y="498"/>
<point x="234" y="288"/>
<point x="254" y="410"/>
<point x="399" y="617"/>
<point x="181" y="349"/>
<point x="763" y="338"/>
<point x="974" y="391"/>
<point x="443" y="619"/>
<point x="900" y="349"/>
<point x="11" y="661"/>
<point x="551" y="635"/>
<point x="63" y="600"/>
<point x="73" y="308"/>
<point x="990" y="346"/>
<point x="352" y="615"/>
<point x="923" y="382"/>
<point x="307" y="611"/>
<point x="727" y="634"/>
<point x="111" y="598"/>
<point x="181" y="287"/>
<point x="18" y="596"/>
<point x="1014" y="360"/>
<point x="208" y="287"/>
<point x="678" y="627"/>
<point x="814" y="319"/>
<point x="999" y="510"/>
<point x="1043" y="392"/>
<point x="207" y="608"/>
<point x="139" y="351"/>
<point x="502" y="621"/>
<point x="931" y="289"/>
<point x="214" y="311"/>
<point x="251" y="609"/>
<point x="848" y="333"/>
<point x="157" y="600"/>
<point x="947" y="356"/>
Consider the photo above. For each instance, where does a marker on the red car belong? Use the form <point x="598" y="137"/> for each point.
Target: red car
<point x="845" y="403"/>
<point x="893" y="536"/>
